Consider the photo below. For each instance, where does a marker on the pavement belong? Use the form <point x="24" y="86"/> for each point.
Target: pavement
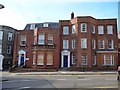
<point x="62" y="73"/>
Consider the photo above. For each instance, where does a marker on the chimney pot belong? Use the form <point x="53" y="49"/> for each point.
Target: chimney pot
<point x="72" y="15"/>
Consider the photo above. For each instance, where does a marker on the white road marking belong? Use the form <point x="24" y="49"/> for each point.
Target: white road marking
<point x="111" y="79"/>
<point x="72" y="79"/>
<point x="62" y="79"/>
<point x="83" y="79"/>
<point x="19" y="80"/>
<point x="23" y="88"/>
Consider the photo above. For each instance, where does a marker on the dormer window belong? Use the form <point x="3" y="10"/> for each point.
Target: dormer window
<point x="45" y="25"/>
<point x="32" y="26"/>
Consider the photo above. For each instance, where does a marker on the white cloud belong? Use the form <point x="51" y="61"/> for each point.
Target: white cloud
<point x="17" y="13"/>
<point x="11" y="18"/>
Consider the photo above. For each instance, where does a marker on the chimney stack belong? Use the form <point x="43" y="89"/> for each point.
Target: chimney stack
<point x="72" y="15"/>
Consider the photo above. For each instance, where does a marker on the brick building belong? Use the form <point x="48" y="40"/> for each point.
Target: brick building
<point x="6" y="45"/>
<point x="90" y="43"/>
<point x="38" y="48"/>
<point x="82" y="42"/>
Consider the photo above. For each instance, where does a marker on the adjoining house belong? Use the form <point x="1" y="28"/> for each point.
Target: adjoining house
<point x="6" y="45"/>
<point x="81" y="43"/>
<point x="38" y="48"/>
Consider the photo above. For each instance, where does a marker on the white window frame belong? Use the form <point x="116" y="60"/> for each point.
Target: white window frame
<point x="109" y="58"/>
<point x="73" y="43"/>
<point x="100" y="29"/>
<point x="111" y="44"/>
<point x="0" y="49"/>
<point x="65" y="30"/>
<point x="83" y="27"/>
<point x="93" y="28"/>
<point x="109" y="29"/>
<point x="23" y="39"/>
<point x="42" y="58"/>
<point x="84" y="43"/>
<point x="73" y="29"/>
<point x="32" y="26"/>
<point x="101" y="44"/>
<point x="9" y="36"/>
<point x="65" y="44"/>
<point x="93" y="44"/>
<point x="94" y="61"/>
<point x="9" y="49"/>
<point x="73" y="59"/>
<point x="84" y="60"/>
<point x="1" y="35"/>
<point x="35" y="40"/>
<point x="34" y="57"/>
<point x="48" y="59"/>
<point x="45" y="25"/>
<point x="41" y="39"/>
<point x="50" y="39"/>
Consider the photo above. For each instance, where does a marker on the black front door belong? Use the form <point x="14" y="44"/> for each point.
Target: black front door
<point x="65" y="64"/>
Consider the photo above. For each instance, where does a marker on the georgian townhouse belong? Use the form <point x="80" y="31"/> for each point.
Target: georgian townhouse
<point x="89" y="43"/>
<point x="79" y="43"/>
<point x="38" y="48"/>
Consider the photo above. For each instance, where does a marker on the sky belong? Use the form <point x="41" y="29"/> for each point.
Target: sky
<point x="18" y="13"/>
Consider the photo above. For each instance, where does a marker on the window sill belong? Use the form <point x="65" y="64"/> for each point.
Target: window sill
<point x="108" y="65"/>
<point x="23" y="45"/>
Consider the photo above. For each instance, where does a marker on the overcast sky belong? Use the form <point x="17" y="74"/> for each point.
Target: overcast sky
<point x="17" y="13"/>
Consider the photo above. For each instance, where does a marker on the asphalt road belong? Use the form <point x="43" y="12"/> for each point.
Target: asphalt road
<point x="73" y="82"/>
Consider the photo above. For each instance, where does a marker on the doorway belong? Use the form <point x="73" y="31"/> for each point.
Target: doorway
<point x="65" y="60"/>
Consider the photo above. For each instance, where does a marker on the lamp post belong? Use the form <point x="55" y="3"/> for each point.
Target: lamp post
<point x="2" y="6"/>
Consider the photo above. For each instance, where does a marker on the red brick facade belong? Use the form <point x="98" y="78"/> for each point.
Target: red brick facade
<point x="79" y="45"/>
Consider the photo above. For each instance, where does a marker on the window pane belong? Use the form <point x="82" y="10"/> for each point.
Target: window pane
<point x="50" y="40"/>
<point x="8" y="49"/>
<point x="84" y="60"/>
<point x="73" y="44"/>
<point x="32" y="26"/>
<point x="110" y="29"/>
<point x="73" y="59"/>
<point x="45" y="25"/>
<point x="41" y="39"/>
<point x="23" y="40"/>
<point x="110" y="44"/>
<point x="0" y="48"/>
<point x="73" y="29"/>
<point x="1" y="35"/>
<point x="93" y="29"/>
<point x="40" y="58"/>
<point x="108" y="60"/>
<point x="66" y="30"/>
<point x="49" y="58"/>
<point x="83" y="27"/>
<point x="94" y="60"/>
<point x="100" y="30"/>
<point x="93" y="44"/>
<point x="101" y="44"/>
<point x="83" y="43"/>
<point x="65" y="44"/>
<point x="10" y="36"/>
